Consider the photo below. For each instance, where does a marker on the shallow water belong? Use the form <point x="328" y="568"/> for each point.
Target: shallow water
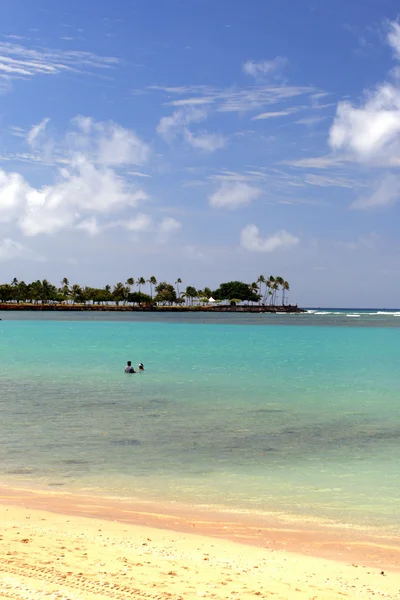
<point x="230" y="412"/>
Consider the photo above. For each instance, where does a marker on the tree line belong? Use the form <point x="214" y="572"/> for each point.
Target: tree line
<point x="271" y="290"/>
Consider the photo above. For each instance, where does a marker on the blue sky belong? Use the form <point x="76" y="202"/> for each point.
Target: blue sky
<point x="206" y="140"/>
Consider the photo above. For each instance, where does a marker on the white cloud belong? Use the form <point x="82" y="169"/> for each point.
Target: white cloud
<point x="386" y="193"/>
<point x="121" y="147"/>
<point x="251" y="240"/>
<point x="86" y="185"/>
<point x="107" y="142"/>
<point x="36" y="131"/>
<point x="10" y="249"/>
<point x="175" y="124"/>
<point x="234" y="195"/>
<point x="17" y="61"/>
<point x="208" y="142"/>
<point x="139" y="223"/>
<point x="82" y="188"/>
<point x="265" y="67"/>
<point x="167" y="228"/>
<point x="371" y="132"/>
<point x="91" y="226"/>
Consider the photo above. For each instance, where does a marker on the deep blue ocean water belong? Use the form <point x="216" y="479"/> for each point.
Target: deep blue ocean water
<point x="295" y="414"/>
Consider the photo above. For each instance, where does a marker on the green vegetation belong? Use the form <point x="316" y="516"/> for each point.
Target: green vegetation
<point x="271" y="291"/>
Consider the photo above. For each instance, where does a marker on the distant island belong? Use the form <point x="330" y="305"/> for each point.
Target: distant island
<point x="264" y="295"/>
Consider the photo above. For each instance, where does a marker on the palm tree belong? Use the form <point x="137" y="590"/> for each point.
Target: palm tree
<point x="285" y="288"/>
<point x="270" y="285"/>
<point x="190" y="293"/>
<point x="141" y="281"/>
<point x="35" y="290"/>
<point x="280" y="281"/>
<point x="107" y="293"/>
<point x="65" y="288"/>
<point x="119" y="293"/>
<point x="22" y="291"/>
<point x="275" y="288"/>
<point x="130" y="282"/>
<point x="261" y="280"/>
<point x="152" y="281"/>
<point x="76" y="291"/>
<point x="177" y="282"/>
<point x="253" y="287"/>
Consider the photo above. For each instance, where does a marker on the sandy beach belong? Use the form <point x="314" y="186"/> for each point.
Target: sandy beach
<point x="59" y="554"/>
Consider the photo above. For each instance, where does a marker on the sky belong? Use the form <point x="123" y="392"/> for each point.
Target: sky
<point x="207" y="140"/>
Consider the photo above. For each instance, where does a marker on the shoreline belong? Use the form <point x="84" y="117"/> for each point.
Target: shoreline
<point x="59" y="546"/>
<point x="290" y="309"/>
<point x="277" y="531"/>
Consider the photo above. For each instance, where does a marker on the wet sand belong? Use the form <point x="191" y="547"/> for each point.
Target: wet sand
<point x="68" y="547"/>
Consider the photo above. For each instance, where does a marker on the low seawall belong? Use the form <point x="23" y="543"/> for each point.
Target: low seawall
<point x="128" y="308"/>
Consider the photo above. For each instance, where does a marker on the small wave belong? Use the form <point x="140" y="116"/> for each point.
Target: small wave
<point x="388" y="313"/>
<point x="353" y="315"/>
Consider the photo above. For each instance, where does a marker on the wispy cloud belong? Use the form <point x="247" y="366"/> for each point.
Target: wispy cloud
<point x="251" y="240"/>
<point x="193" y="101"/>
<point x="364" y="242"/>
<point x="323" y="181"/>
<point x="138" y="174"/>
<point x="234" y="176"/>
<point x="385" y="194"/>
<point x="10" y="249"/>
<point x="18" y="61"/>
<point x="393" y="38"/>
<point x="36" y="131"/>
<point x="275" y="114"/>
<point x="316" y="162"/>
<point x="235" y="99"/>
<point x="310" y="121"/>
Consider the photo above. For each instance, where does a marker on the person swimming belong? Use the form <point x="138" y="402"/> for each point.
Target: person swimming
<point x="141" y="367"/>
<point x="129" y="368"/>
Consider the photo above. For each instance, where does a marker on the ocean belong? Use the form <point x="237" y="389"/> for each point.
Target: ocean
<point x="296" y="415"/>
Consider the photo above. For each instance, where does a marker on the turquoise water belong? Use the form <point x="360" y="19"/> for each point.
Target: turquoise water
<point x="299" y="415"/>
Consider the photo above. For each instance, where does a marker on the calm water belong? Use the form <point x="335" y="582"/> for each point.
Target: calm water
<point x="295" y="414"/>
